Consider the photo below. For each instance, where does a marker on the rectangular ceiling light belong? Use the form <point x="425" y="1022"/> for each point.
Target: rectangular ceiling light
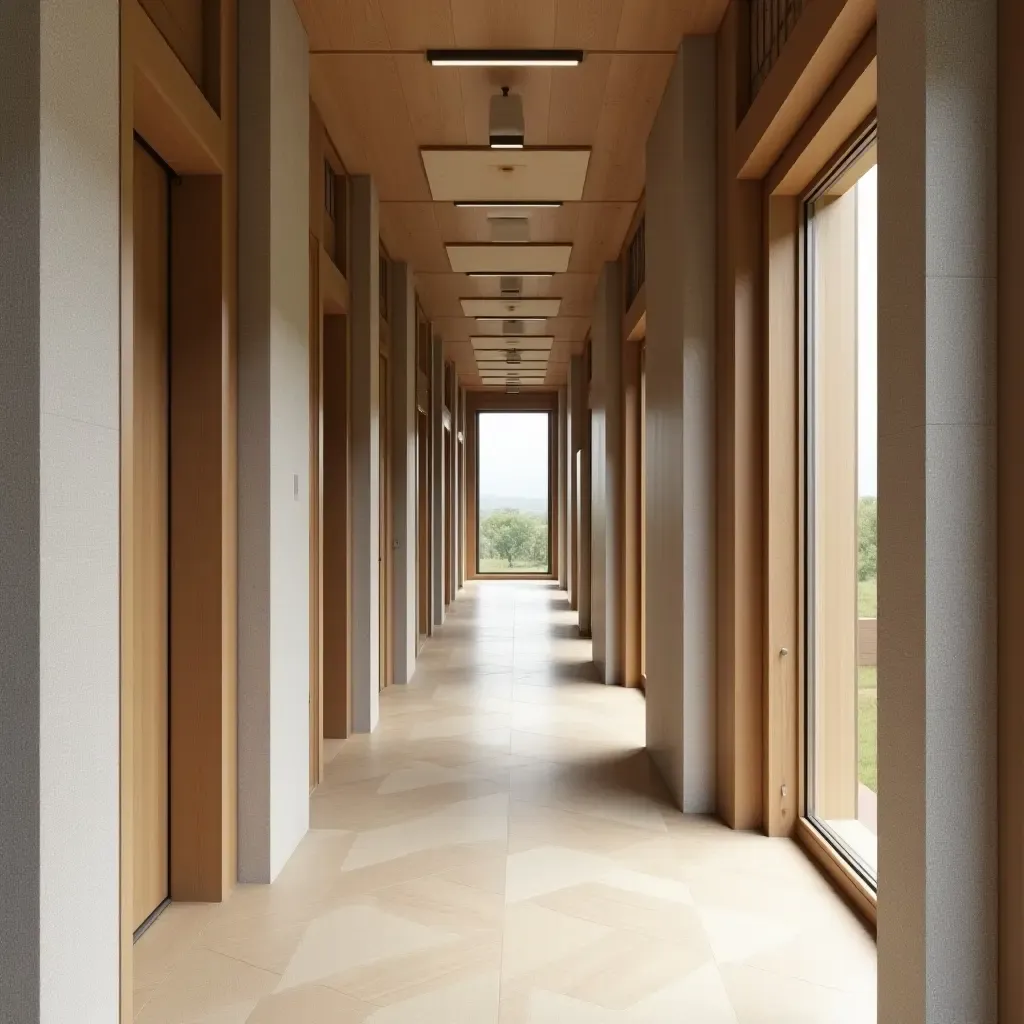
<point x="511" y="308"/>
<point x="497" y="204"/>
<point x="505" y="58"/>
<point x="501" y="273"/>
<point x="463" y="174"/>
<point x="506" y="258"/>
<point x="497" y="343"/>
<point x="516" y="319"/>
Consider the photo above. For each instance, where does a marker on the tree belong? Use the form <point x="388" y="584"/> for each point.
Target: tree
<point x="509" y="534"/>
<point x="867" y="539"/>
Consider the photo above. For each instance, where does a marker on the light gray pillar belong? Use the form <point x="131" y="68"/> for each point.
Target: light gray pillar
<point x="59" y="512"/>
<point x="562" y="477"/>
<point x="606" y="474"/>
<point x="460" y="496"/>
<point x="402" y="365"/>
<point x="364" y="290"/>
<point x="273" y="438"/>
<point x="937" y="219"/>
<point x="437" y="479"/>
<point x="569" y="455"/>
<point x="680" y="415"/>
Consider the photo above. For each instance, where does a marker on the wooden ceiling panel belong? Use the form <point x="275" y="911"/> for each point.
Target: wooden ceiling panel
<point x="417" y="24"/>
<point x="434" y="102"/>
<point x="599" y="235"/>
<point x="358" y="95"/>
<point x="505" y="24"/>
<point x="587" y="24"/>
<point x="576" y="100"/>
<point x="343" y="24"/>
<point x="618" y="162"/>
<point x="661" y="24"/>
<point x="411" y="236"/>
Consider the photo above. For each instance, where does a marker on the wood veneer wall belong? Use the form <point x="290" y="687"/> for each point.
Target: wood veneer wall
<point x="162" y="101"/>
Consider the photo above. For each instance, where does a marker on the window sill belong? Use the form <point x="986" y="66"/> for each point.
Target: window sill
<point x="850" y="885"/>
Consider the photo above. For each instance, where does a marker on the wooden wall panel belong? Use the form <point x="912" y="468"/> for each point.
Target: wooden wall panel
<point x="181" y="23"/>
<point x="150" y="764"/>
<point x="782" y="636"/>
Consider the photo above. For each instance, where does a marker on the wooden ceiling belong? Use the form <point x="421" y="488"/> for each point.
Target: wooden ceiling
<point x="381" y="102"/>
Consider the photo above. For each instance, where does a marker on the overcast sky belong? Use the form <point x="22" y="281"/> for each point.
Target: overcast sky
<point x="514" y="454"/>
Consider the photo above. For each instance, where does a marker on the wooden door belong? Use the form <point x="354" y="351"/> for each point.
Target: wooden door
<point x="384" y="550"/>
<point x="150" y="761"/>
<point x="316" y="433"/>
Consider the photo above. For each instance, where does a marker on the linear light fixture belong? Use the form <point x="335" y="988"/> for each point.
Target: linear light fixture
<point x="515" y="319"/>
<point x="510" y="204"/>
<point x="505" y="58"/>
<point x="506" y="142"/>
<point x="505" y="273"/>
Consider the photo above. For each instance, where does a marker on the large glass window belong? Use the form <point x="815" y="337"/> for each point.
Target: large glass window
<point x="841" y="507"/>
<point x="514" y="493"/>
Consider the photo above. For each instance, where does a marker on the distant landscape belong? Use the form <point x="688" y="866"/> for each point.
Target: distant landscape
<point x="513" y="537"/>
<point x="491" y="503"/>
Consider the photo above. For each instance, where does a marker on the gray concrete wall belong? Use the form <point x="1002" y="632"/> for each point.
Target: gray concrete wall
<point x="364" y="393"/>
<point x="607" y="505"/>
<point x="680" y="424"/>
<point x="59" y="512"/>
<point x="937" y="218"/>
<point x="273" y="441"/>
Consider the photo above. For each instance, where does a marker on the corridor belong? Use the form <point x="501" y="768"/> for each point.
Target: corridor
<point x="498" y="850"/>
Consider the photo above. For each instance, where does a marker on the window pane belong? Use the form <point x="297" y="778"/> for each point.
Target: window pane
<point x="842" y="511"/>
<point x="513" y="493"/>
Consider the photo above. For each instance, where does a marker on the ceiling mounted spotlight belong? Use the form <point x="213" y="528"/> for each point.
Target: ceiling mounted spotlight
<point x="507" y="127"/>
<point x="518" y="204"/>
<point x="505" y="58"/>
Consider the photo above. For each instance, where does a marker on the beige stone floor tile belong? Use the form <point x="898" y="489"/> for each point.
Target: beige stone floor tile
<point x="440" y="903"/>
<point x="167" y="940"/>
<point x="473" y="999"/>
<point x="400" y="979"/>
<point x="501" y="844"/>
<point x="202" y="983"/>
<point x="356" y="935"/>
<point x="762" y="997"/>
<point x="310" y="1004"/>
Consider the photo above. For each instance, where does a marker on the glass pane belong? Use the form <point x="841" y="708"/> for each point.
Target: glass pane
<point x="513" y="493"/>
<point x="842" y="511"/>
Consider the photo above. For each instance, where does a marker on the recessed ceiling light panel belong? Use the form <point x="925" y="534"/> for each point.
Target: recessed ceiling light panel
<point x="505" y="58"/>
<point x="497" y="204"/>
<point x="511" y="308"/>
<point x="466" y="174"/>
<point x="509" y="258"/>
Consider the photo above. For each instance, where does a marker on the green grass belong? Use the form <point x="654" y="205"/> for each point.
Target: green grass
<point x="867" y="599"/>
<point x="500" y="565"/>
<point x="867" y="726"/>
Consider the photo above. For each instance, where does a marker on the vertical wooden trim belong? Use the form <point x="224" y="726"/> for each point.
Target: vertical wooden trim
<point x="781" y="719"/>
<point x="335" y="678"/>
<point x="197" y="536"/>
<point x="632" y="485"/>
<point x="472" y="497"/>
<point x="316" y="475"/>
<point x="1011" y="513"/>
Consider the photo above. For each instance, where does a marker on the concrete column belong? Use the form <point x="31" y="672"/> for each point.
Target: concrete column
<point x="569" y="455"/>
<point x="437" y="479"/>
<point x="606" y="474"/>
<point x="561" y="470"/>
<point x="273" y="438"/>
<point x="59" y="512"/>
<point x="460" y="495"/>
<point x="403" y="469"/>
<point x="581" y="455"/>
<point x="364" y="394"/>
<point x="937" y="221"/>
<point x="680" y="423"/>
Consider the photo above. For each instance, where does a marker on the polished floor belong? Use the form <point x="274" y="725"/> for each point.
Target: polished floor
<point x="499" y="852"/>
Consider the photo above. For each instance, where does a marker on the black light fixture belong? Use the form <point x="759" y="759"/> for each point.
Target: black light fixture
<point x="505" y="58"/>
<point x="514" y="204"/>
